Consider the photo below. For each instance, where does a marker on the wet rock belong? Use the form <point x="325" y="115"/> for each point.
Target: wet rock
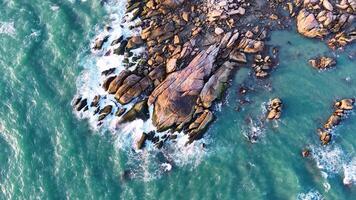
<point x="196" y="128"/>
<point x="274" y="109"/>
<point x="120" y="112"/>
<point x="341" y="39"/>
<point x="248" y="45"/>
<point x="120" y="50"/>
<point x="141" y="143"/>
<point x="99" y="42"/>
<point x="345" y="104"/>
<point x="131" y="88"/>
<point x="138" y="111"/>
<point x="214" y="88"/>
<point x="81" y="104"/>
<point x="238" y="56"/>
<point x="341" y="108"/>
<point x="322" y="62"/>
<point x="108" y="71"/>
<point x="107" y="82"/>
<point x="117" y="82"/>
<point x="105" y="112"/>
<point x="306" y="153"/>
<point x="77" y="101"/>
<point x="95" y="101"/>
<point x="325" y="136"/>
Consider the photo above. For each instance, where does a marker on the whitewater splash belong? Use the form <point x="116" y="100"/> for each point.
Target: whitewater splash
<point x="332" y="160"/>
<point x="143" y="164"/>
<point x="311" y="195"/>
<point x="7" y="28"/>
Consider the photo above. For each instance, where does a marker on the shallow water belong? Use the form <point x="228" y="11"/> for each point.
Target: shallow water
<point x="46" y="152"/>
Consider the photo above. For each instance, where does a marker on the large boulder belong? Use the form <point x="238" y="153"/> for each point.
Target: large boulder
<point x="308" y="25"/>
<point x="248" y="45"/>
<point x="172" y="3"/>
<point x="197" y="127"/>
<point x="215" y="85"/>
<point x="175" y="98"/>
<point x="345" y="104"/>
<point x="274" y="109"/>
<point x="138" y="111"/>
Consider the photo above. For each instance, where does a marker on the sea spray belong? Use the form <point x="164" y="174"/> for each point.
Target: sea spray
<point x="8" y="28"/>
<point x="310" y="195"/>
<point x="332" y="160"/>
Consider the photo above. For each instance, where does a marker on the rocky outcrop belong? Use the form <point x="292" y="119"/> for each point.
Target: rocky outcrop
<point x="192" y="48"/>
<point x="197" y="127"/>
<point x="322" y="62"/>
<point x="138" y="111"/>
<point x="175" y="98"/>
<point x="214" y="87"/>
<point x="274" y="109"/>
<point x="308" y="25"/>
<point x="321" y="18"/>
<point x="249" y="45"/>
<point x="341" y="109"/>
<point x="127" y="86"/>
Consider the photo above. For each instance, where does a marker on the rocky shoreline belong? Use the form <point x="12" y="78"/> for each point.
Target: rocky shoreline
<point x="192" y="48"/>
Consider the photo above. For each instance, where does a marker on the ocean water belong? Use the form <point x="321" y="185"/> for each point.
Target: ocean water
<point x="47" y="151"/>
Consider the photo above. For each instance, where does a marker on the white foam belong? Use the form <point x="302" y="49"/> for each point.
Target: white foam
<point x="54" y="7"/>
<point x="311" y="195"/>
<point x="333" y="160"/>
<point x="350" y="172"/>
<point x="329" y="158"/>
<point x="7" y="28"/>
<point x="254" y="132"/>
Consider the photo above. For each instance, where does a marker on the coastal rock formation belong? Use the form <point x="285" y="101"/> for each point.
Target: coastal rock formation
<point x="308" y="25"/>
<point x="126" y="86"/>
<point x="341" y="109"/>
<point x="322" y="62"/>
<point x="175" y="98"/>
<point x="190" y="51"/>
<point x="274" y="109"/>
<point x="324" y="18"/>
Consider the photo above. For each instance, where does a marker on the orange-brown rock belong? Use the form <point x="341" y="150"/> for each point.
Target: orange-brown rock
<point x="214" y="88"/>
<point x="175" y="98"/>
<point x="308" y="25"/>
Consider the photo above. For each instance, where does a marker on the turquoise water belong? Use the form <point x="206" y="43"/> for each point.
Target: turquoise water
<point x="47" y="153"/>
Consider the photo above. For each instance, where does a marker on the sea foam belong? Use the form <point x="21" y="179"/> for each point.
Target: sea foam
<point x="311" y="195"/>
<point x="332" y="160"/>
<point x="7" y="28"/>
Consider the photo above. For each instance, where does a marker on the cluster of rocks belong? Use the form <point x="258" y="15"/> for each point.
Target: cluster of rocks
<point x="322" y="62"/>
<point x="262" y="65"/>
<point x="192" y="49"/>
<point x="274" y="109"/>
<point x="341" y="108"/>
<point x="326" y="18"/>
